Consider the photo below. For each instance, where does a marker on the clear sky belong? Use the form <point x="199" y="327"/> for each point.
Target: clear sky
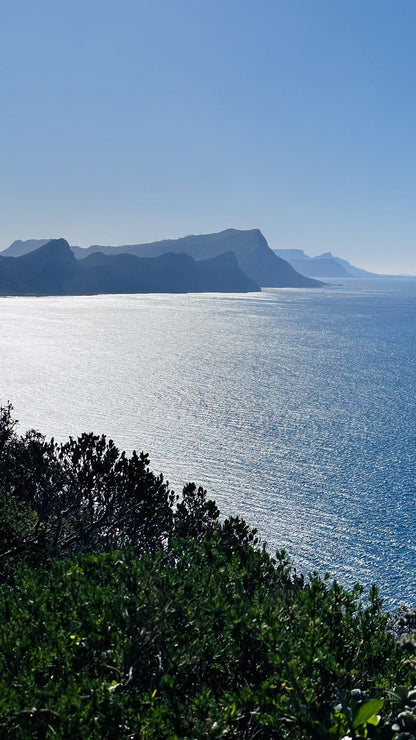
<point x="131" y="121"/>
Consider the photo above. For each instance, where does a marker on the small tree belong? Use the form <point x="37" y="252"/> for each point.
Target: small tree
<point x="196" y="516"/>
<point x="81" y="496"/>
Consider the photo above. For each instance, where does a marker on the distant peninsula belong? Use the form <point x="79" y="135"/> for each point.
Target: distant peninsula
<point x="229" y="261"/>
<point x="323" y="266"/>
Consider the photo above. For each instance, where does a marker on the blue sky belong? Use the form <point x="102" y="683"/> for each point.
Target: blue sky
<point x="134" y="121"/>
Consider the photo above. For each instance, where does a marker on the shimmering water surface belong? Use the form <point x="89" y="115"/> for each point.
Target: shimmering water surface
<point x="296" y="409"/>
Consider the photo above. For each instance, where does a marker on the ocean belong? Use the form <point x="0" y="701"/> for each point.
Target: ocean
<point x="295" y="409"/>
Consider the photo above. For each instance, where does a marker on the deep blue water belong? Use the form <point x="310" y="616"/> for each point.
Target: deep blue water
<point x="295" y="408"/>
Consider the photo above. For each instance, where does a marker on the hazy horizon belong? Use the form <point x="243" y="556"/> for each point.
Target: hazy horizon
<point x="140" y="122"/>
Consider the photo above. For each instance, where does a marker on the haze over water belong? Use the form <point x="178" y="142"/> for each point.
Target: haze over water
<point x="294" y="408"/>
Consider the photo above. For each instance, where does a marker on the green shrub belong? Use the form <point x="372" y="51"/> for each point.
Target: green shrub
<point x="126" y="612"/>
<point x="193" y="643"/>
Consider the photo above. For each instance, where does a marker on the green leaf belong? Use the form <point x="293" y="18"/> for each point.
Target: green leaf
<point x="367" y="710"/>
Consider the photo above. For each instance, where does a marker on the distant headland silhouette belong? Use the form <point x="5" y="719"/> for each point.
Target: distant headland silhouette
<point x="228" y="261"/>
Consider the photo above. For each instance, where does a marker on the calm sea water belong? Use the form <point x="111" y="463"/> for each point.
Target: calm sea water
<point x="296" y="409"/>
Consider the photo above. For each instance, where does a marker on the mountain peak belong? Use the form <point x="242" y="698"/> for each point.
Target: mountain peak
<point x="55" y="248"/>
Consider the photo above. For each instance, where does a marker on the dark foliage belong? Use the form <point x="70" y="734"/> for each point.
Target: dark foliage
<point x="207" y="646"/>
<point x="126" y="613"/>
<point x="86" y="496"/>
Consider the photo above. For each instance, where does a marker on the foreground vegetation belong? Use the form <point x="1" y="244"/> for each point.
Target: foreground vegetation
<point x="126" y="612"/>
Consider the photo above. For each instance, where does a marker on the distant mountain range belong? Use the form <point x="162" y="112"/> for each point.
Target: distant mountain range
<point x="323" y="266"/>
<point x="53" y="269"/>
<point x="230" y="261"/>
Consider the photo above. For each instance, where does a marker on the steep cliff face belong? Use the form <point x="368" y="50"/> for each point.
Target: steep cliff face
<point x="254" y="257"/>
<point x="253" y="254"/>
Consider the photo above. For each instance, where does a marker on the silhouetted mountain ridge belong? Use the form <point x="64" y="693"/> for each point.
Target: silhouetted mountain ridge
<point x="53" y="269"/>
<point x="253" y="254"/>
<point x="250" y="247"/>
